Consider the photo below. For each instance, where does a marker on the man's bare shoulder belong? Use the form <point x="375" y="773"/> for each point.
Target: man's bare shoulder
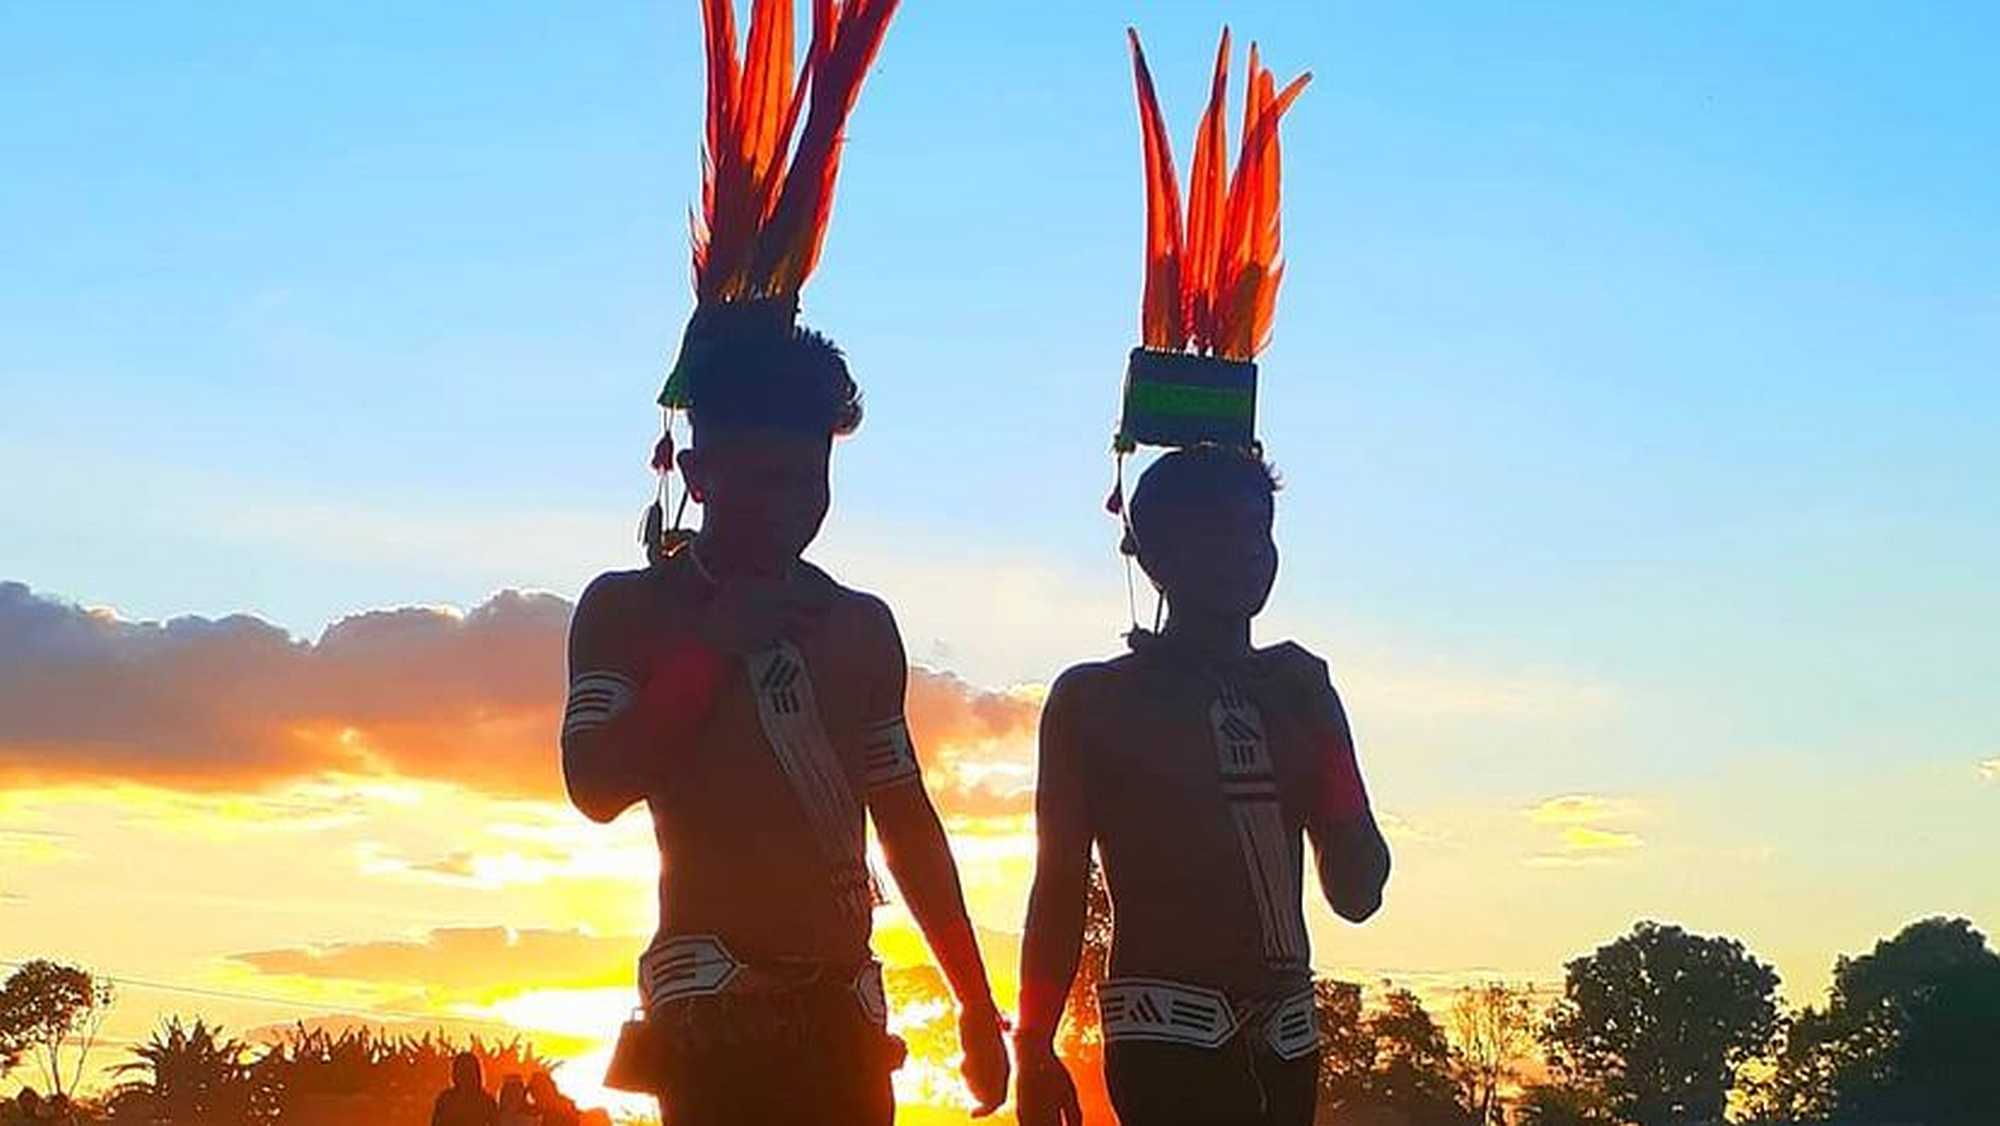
<point x="859" y="608"/>
<point x="623" y="602"/>
<point x="1090" y="684"/>
<point x="1295" y="662"/>
<point x="614" y="588"/>
<point x="617" y="596"/>
<point x="1304" y="682"/>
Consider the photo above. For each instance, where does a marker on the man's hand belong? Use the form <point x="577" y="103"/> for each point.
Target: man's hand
<point x="982" y="1036"/>
<point x="1044" y="1095"/>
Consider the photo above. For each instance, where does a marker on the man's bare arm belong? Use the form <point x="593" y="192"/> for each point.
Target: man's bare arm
<point x="1053" y="940"/>
<point x="1353" y="857"/>
<point x="1057" y="904"/>
<point x="912" y="836"/>
<point x="633" y="697"/>
<point x="1353" y="866"/>
<point x="919" y="857"/>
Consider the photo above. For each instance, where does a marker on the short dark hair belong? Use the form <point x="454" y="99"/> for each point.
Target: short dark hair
<point x="1198" y="473"/>
<point x="751" y="370"/>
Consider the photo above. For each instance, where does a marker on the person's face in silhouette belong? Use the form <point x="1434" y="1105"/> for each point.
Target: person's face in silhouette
<point x="763" y="491"/>
<point x="1210" y="547"/>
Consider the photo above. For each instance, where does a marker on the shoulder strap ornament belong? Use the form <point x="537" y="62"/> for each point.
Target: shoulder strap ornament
<point x="789" y="713"/>
<point x="1271" y="857"/>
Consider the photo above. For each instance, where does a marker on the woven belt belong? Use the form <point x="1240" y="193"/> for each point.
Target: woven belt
<point x="701" y="965"/>
<point x="1292" y="1027"/>
<point x="1176" y="1012"/>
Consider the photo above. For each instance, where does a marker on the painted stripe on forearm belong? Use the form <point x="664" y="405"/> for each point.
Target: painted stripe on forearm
<point x="595" y="699"/>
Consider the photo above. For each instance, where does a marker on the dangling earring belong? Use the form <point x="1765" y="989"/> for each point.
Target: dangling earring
<point x="662" y="541"/>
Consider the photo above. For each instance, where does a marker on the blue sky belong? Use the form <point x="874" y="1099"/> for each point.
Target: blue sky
<point x="1699" y="309"/>
<point x="1637" y="362"/>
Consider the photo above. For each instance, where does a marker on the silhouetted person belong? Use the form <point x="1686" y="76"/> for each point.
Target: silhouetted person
<point x="756" y="706"/>
<point x="27" y="1104"/>
<point x="551" y="1107"/>
<point x="465" y="1102"/>
<point x="514" y="1108"/>
<point x="1193" y="763"/>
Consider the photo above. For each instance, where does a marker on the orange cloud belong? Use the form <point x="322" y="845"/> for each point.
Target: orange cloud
<point x="220" y="704"/>
<point x="946" y="711"/>
<point x="464" y="961"/>
<point x="470" y="698"/>
<point x="977" y="746"/>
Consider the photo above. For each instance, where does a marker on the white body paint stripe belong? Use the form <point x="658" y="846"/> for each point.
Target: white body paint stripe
<point x="595" y="699"/>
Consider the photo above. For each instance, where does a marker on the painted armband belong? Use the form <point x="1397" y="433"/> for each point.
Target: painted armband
<point x="596" y="697"/>
<point x="681" y="691"/>
<point x="890" y="756"/>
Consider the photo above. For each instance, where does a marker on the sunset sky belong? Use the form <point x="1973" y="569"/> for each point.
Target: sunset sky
<point x="1633" y="387"/>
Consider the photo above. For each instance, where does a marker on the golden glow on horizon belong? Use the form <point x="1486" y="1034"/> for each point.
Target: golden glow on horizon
<point x="443" y="886"/>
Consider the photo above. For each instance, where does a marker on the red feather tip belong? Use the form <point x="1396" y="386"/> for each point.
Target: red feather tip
<point x="765" y="202"/>
<point x="1212" y="285"/>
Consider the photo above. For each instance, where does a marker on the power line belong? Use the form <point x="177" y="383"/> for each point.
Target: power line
<point x="293" y="1003"/>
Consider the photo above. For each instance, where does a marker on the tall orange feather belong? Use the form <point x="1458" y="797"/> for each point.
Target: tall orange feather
<point x="797" y="229"/>
<point x="765" y="203"/>
<point x="1163" y="319"/>
<point x="1213" y="288"/>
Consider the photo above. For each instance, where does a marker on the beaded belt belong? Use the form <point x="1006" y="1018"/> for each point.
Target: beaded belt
<point x="1157" y="1009"/>
<point x="700" y="965"/>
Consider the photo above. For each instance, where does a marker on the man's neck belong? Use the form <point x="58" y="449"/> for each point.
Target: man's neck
<point x="718" y="565"/>
<point x="1220" y="637"/>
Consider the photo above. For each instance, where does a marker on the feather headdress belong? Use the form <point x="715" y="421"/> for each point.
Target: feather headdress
<point x="765" y="201"/>
<point x="1212" y="282"/>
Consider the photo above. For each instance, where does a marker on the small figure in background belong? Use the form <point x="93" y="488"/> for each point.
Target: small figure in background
<point x="514" y="1108"/>
<point x="465" y="1102"/>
